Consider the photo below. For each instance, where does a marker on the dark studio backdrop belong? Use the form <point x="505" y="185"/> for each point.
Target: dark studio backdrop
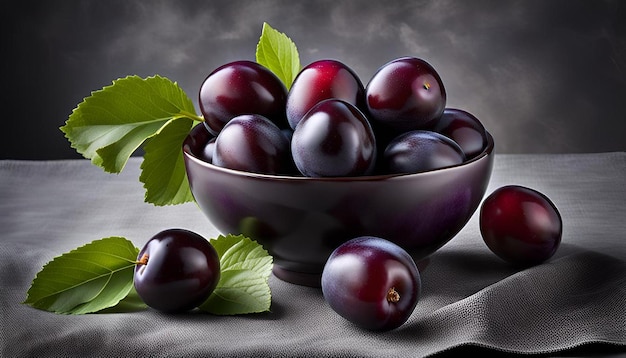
<point x="544" y="76"/>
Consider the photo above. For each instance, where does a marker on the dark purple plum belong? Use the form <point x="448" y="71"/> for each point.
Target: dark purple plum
<point x="420" y="151"/>
<point x="463" y="128"/>
<point x="252" y="143"/>
<point x="320" y="80"/>
<point x="520" y="225"/>
<point x="177" y="270"/>
<point x="405" y="94"/>
<point x="334" y="139"/>
<point x="372" y="283"/>
<point x="241" y="87"/>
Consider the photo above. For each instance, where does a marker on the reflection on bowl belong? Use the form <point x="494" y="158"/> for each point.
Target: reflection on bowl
<point x="301" y="220"/>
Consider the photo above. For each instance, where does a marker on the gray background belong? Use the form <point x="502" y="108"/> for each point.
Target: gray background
<point x="544" y="76"/>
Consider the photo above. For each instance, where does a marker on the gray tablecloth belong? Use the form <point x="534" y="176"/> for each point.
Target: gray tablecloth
<point x="470" y="297"/>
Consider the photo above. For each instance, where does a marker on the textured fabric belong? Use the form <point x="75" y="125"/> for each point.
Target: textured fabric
<point x="470" y="297"/>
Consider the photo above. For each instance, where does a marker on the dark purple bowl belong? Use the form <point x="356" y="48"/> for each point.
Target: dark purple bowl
<point x="301" y="220"/>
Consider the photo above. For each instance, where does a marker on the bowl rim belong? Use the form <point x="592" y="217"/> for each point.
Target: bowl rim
<point x="186" y="147"/>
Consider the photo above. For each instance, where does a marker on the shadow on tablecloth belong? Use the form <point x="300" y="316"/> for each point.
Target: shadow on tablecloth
<point x="575" y="300"/>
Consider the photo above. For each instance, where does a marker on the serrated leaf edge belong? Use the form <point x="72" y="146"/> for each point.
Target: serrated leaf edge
<point x="237" y="242"/>
<point x="33" y="302"/>
<point x="260" y="48"/>
<point x="265" y="303"/>
<point x="242" y="240"/>
<point x="142" y="177"/>
<point x="95" y="157"/>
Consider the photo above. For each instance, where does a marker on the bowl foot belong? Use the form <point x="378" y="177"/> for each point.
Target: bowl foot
<point x="311" y="279"/>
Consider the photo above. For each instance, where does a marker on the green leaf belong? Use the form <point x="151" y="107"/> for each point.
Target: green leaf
<point x="245" y="269"/>
<point x="240" y="252"/>
<point x="131" y="303"/>
<point x="278" y="53"/>
<point x="85" y="280"/>
<point x="242" y="292"/>
<point x="108" y="126"/>
<point x="163" y="168"/>
<point x="112" y="123"/>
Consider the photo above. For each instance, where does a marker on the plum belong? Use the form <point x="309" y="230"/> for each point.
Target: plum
<point x="372" y="283"/>
<point x="520" y="225"/>
<point x="176" y="270"/>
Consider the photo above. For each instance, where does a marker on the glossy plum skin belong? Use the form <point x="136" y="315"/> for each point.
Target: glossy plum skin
<point x="334" y="139"/>
<point x="405" y="94"/>
<point x="419" y="151"/>
<point x="254" y="144"/>
<point x="180" y="270"/>
<point x="301" y="220"/>
<point x="520" y="225"/>
<point x="463" y="128"/>
<point x="320" y="80"/>
<point x="241" y="87"/>
<point x="372" y="283"/>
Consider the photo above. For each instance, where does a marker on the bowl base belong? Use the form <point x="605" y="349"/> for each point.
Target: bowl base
<point x="298" y="278"/>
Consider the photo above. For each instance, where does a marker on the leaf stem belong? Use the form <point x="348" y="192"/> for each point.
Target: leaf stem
<point x="190" y="115"/>
<point x="143" y="260"/>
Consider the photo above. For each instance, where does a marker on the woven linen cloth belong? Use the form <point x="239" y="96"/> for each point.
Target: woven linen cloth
<point x="470" y="298"/>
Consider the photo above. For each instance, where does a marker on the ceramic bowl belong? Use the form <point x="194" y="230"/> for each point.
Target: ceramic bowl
<point x="301" y="220"/>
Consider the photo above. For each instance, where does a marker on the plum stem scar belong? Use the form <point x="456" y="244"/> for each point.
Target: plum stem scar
<point x="392" y="295"/>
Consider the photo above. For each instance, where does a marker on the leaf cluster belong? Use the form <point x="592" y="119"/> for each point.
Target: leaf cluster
<point x="98" y="277"/>
<point x="155" y="114"/>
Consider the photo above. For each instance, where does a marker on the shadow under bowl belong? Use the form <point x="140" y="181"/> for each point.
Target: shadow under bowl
<point x="301" y="220"/>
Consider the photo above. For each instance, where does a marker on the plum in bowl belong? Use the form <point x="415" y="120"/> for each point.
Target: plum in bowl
<point x="301" y="220"/>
